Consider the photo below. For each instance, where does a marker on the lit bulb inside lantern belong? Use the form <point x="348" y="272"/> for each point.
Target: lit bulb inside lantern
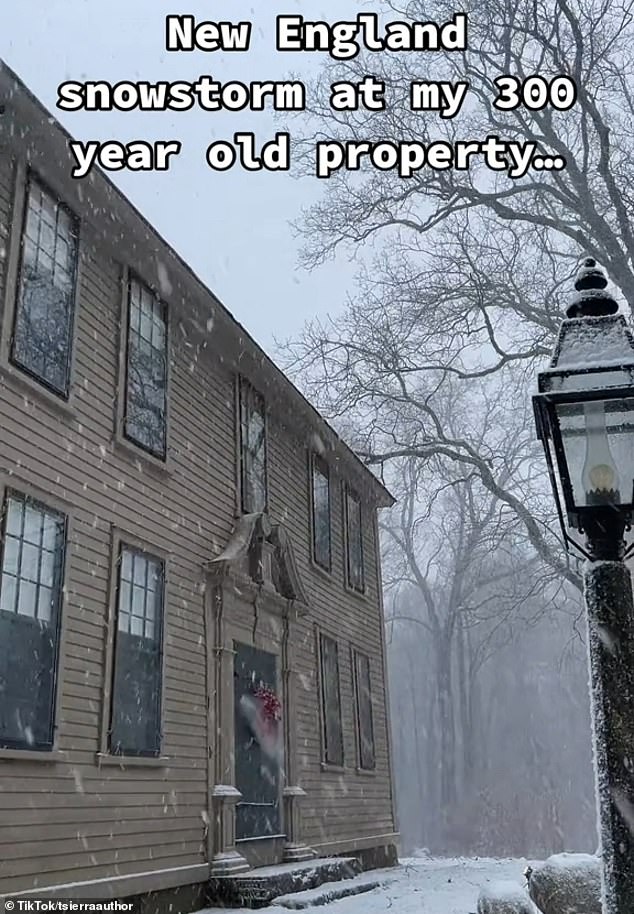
<point x="602" y="477"/>
<point x="599" y="472"/>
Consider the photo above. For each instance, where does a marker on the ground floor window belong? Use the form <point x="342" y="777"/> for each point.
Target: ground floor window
<point x="363" y="701"/>
<point x="135" y="721"/>
<point x="330" y="701"/>
<point x="33" y="539"/>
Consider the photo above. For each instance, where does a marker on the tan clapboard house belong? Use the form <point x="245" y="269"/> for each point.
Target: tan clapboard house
<point x="192" y="658"/>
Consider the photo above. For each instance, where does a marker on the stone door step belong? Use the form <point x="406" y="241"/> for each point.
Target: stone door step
<point x="329" y="891"/>
<point x="257" y="888"/>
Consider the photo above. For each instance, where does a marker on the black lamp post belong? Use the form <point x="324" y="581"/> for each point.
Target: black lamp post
<point x="584" y="410"/>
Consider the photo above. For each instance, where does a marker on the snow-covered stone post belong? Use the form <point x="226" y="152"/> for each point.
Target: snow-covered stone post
<point x="584" y="411"/>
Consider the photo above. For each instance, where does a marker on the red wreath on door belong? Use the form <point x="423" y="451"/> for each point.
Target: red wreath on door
<point x="263" y="711"/>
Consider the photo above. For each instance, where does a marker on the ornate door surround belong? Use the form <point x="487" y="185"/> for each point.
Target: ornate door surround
<point x="254" y="596"/>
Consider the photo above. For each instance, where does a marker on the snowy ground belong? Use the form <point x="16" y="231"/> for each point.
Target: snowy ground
<point x="423" y="886"/>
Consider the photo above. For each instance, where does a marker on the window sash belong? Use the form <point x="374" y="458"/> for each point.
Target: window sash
<point x="253" y="445"/>
<point x="31" y="574"/>
<point x="354" y="542"/>
<point x="322" y="545"/>
<point x="331" y="701"/>
<point x="136" y="703"/>
<point x="145" y="420"/>
<point x="365" y="722"/>
<point x="41" y="342"/>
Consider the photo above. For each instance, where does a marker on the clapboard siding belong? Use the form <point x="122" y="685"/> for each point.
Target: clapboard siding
<point x="125" y="860"/>
<point x="69" y="818"/>
<point x="70" y="454"/>
<point x="338" y="803"/>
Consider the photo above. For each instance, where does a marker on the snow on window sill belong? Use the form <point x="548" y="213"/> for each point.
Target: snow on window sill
<point x="319" y="569"/>
<point x="359" y="594"/>
<point x="132" y="761"/>
<point x="333" y="769"/>
<point x="141" y="457"/>
<point x="37" y="393"/>
<point x="33" y="755"/>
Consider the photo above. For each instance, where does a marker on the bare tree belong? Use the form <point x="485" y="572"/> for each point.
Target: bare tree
<point x="587" y="205"/>
<point x="463" y="295"/>
<point x="381" y="365"/>
<point x="461" y="575"/>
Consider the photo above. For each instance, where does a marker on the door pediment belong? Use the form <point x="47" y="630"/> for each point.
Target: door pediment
<point x="260" y="553"/>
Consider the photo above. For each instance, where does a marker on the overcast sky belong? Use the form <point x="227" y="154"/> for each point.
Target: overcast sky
<point x="232" y="228"/>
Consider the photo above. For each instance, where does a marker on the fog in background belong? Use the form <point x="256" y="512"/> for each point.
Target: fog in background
<point x="523" y="781"/>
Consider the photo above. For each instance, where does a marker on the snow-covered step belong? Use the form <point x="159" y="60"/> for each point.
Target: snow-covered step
<point x="329" y="891"/>
<point x="258" y="887"/>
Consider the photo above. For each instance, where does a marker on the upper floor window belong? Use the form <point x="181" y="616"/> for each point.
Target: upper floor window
<point x="136" y="692"/>
<point x="363" y="702"/>
<point x="43" y="321"/>
<point x="146" y="371"/>
<point x="33" y="538"/>
<point x="321" y="512"/>
<point x="330" y="701"/>
<point x="354" y="542"/>
<point x="253" y="485"/>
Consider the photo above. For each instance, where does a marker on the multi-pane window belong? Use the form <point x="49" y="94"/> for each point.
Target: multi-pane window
<point x="354" y="542"/>
<point x="33" y="539"/>
<point x="43" y="322"/>
<point x="363" y="701"/>
<point x="252" y="450"/>
<point x="135" y="721"/>
<point x="330" y="701"/>
<point x="321" y="512"/>
<point x="146" y="374"/>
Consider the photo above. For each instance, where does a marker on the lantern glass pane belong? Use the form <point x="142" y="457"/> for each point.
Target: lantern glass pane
<point x="598" y="443"/>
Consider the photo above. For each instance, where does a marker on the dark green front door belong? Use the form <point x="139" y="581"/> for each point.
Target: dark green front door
<point x="257" y="767"/>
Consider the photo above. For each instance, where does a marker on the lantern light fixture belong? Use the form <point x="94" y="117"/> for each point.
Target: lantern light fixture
<point x="584" y="412"/>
